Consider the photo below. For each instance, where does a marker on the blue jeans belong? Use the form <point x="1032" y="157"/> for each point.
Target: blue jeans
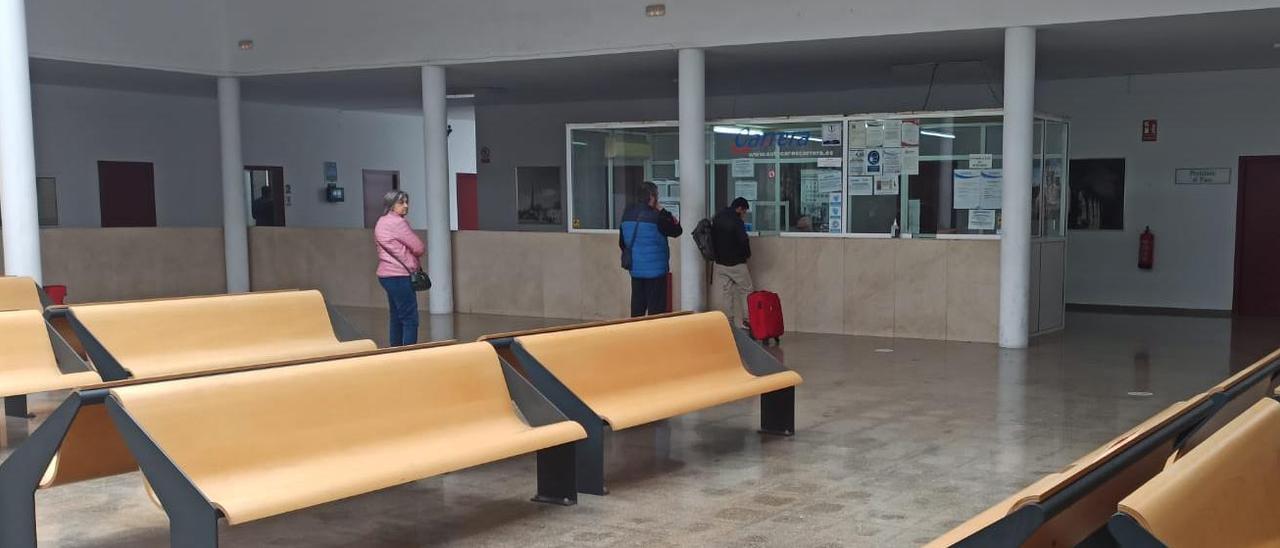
<point x="403" y="303"/>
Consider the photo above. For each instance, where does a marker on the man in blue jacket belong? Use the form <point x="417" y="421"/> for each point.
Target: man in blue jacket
<point x="644" y="231"/>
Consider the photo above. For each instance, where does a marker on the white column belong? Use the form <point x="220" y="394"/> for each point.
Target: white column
<point x="1015" y="239"/>
<point x="435" y="124"/>
<point x="235" y="227"/>
<point x="18" y="205"/>
<point x="693" y="174"/>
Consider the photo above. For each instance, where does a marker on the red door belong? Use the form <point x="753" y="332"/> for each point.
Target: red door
<point x="468" y="202"/>
<point x="1257" y="234"/>
<point x="127" y="194"/>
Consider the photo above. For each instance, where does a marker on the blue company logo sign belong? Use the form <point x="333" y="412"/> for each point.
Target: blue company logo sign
<point x="747" y="141"/>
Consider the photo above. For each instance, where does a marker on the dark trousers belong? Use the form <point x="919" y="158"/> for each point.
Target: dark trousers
<point x="403" y="303"/>
<point x="648" y="296"/>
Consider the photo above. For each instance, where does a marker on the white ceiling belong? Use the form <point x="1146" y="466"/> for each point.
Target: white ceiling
<point x="1222" y="41"/>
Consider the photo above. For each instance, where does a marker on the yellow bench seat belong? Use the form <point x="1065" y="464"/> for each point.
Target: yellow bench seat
<point x="27" y="361"/>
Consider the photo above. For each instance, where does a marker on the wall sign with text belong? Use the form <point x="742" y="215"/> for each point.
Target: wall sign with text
<point x="1202" y="176"/>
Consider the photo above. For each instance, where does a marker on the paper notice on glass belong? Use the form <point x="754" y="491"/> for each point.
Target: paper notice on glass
<point x="861" y="185"/>
<point x="834" y="211"/>
<point x="742" y="167"/>
<point x="875" y="134"/>
<point x="892" y="160"/>
<point x="982" y="219"/>
<point x="857" y="161"/>
<point x="830" y="162"/>
<point x="893" y="133"/>
<point x="829" y="180"/>
<point x="981" y="161"/>
<point x="857" y="135"/>
<point x="886" y="184"/>
<point x="834" y="225"/>
<point x="873" y="161"/>
<point x="836" y="198"/>
<point x="747" y="189"/>
<point x="966" y="189"/>
<point x="831" y="134"/>
<point x="911" y="160"/>
<point x="992" y="189"/>
<point x="910" y="133"/>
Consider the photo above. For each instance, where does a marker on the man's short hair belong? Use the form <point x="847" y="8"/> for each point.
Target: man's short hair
<point x="740" y="203"/>
<point x="644" y="191"/>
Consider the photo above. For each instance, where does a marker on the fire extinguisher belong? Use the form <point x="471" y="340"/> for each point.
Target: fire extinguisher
<point x="1146" y="249"/>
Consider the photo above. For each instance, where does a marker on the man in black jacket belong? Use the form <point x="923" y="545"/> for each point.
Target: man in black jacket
<point x="729" y="239"/>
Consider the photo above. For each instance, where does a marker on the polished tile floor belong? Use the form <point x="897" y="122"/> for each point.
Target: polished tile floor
<point x="898" y="441"/>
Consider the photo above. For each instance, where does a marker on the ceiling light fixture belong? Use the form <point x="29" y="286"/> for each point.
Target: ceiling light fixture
<point x="246" y="45"/>
<point x="655" y="10"/>
<point x="937" y="134"/>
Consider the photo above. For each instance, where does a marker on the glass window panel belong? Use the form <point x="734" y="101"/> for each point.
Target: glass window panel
<point x="1055" y="177"/>
<point x="953" y="193"/>
<point x="775" y="167"/>
<point x="1037" y="178"/>
<point x="608" y="164"/>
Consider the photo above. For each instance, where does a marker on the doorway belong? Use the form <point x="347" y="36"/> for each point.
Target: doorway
<point x="1257" y="208"/>
<point x="267" y="195"/>
<point x="127" y="193"/>
<point x="377" y="183"/>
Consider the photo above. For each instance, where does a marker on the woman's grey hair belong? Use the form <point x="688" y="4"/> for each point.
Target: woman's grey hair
<point x="392" y="198"/>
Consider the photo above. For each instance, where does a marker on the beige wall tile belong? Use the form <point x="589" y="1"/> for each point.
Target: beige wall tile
<point x="113" y="264"/>
<point x="773" y="268"/>
<point x="973" y="290"/>
<point x="920" y="289"/>
<point x="819" y="285"/>
<point x="869" y="270"/>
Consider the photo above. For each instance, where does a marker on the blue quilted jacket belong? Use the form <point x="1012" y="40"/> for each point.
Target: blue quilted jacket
<point x="650" y="228"/>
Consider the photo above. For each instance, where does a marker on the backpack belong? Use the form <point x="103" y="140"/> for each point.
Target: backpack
<point x="702" y="237"/>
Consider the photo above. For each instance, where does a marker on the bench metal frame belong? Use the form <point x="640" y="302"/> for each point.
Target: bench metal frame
<point x="1131" y="534"/>
<point x="68" y="362"/>
<point x="777" y="408"/>
<point x="193" y="520"/>
<point x="1017" y="527"/>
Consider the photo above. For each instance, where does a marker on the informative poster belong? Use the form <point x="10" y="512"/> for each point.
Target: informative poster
<point x="861" y="185"/>
<point x="992" y="189"/>
<point x="911" y="160"/>
<point x="982" y="219"/>
<point x="875" y="134"/>
<point x="832" y="161"/>
<point x="747" y="189"/>
<point x="966" y="189"/>
<point x="886" y="184"/>
<point x="891" y="160"/>
<point x="873" y="161"/>
<point x="835" y="212"/>
<point x="829" y="180"/>
<point x="742" y="167"/>
<point x="857" y="161"/>
<point x="831" y="134"/>
<point x="857" y="135"/>
<point x="892" y="133"/>
<point x="910" y="133"/>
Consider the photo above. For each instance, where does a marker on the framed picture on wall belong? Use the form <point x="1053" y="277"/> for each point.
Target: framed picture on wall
<point x="538" y="200"/>
<point x="1096" y="194"/>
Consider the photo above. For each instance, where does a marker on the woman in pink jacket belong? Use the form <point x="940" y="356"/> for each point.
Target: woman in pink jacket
<point x="399" y="250"/>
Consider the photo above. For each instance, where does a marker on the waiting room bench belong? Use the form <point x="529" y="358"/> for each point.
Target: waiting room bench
<point x="223" y="434"/>
<point x="165" y="336"/>
<point x="502" y="341"/>
<point x="628" y="374"/>
<point x="35" y="358"/>
<point x="1222" y="493"/>
<point x="21" y="293"/>
<point x="1069" y="506"/>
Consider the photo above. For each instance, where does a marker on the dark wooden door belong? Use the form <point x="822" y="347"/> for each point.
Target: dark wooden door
<point x="127" y="193"/>
<point x="1257" y="291"/>
<point x="468" y="202"/>
<point x="377" y="184"/>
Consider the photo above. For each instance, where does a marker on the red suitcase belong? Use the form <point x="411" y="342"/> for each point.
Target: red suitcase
<point x="765" y="314"/>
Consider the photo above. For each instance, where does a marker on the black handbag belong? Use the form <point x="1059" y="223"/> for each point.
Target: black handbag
<point x="626" y="251"/>
<point x="418" y="279"/>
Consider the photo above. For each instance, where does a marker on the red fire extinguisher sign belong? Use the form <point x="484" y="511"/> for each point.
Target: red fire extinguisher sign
<point x="1146" y="249"/>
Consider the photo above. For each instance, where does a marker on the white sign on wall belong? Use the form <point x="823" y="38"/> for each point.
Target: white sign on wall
<point x="1202" y="176"/>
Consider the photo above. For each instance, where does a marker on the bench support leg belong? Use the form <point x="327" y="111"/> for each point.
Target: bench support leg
<point x="590" y="462"/>
<point x="778" y="412"/>
<point x="16" y="406"/>
<point x="20" y="475"/>
<point x="193" y="528"/>
<point x="557" y="480"/>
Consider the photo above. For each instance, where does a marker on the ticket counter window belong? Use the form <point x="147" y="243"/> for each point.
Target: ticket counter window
<point x="790" y="173"/>
<point x="607" y="164"/>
